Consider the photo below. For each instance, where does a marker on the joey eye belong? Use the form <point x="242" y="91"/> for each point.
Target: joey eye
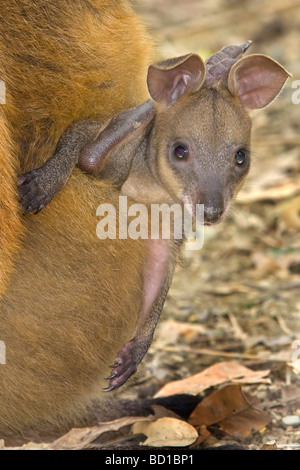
<point x="181" y="152"/>
<point x="240" y="157"/>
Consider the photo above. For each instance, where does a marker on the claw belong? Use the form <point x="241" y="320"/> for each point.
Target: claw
<point x="41" y="207"/>
<point x="109" y="388"/>
<point x="29" y="209"/>
<point x="32" y="195"/>
<point x="125" y="364"/>
<point x="118" y="362"/>
<point x="112" y="376"/>
<point x="21" y="180"/>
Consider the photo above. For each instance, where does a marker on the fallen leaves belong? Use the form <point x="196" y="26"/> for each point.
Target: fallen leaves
<point x="227" y="409"/>
<point x="214" y="375"/>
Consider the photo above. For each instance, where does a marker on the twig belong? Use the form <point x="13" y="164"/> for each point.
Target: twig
<point x="208" y="352"/>
<point x="239" y="333"/>
<point x="284" y="326"/>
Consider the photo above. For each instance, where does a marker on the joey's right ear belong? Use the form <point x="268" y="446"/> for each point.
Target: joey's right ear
<point x="256" y="80"/>
<point x="169" y="79"/>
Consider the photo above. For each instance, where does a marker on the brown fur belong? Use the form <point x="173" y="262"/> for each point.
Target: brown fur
<point x="60" y="321"/>
<point x="10" y="224"/>
<point x="61" y="61"/>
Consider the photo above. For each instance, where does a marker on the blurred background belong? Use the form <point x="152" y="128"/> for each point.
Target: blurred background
<point x="238" y="298"/>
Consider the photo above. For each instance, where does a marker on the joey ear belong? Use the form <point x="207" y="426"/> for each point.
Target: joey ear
<point x="256" y="80"/>
<point x="169" y="79"/>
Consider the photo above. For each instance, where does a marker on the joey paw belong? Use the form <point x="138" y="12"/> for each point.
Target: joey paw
<point x="32" y="190"/>
<point x="124" y="366"/>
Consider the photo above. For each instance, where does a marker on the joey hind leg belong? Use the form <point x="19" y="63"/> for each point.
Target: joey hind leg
<point x="158" y="274"/>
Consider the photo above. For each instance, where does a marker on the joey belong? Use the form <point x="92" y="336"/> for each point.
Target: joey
<point x="188" y="144"/>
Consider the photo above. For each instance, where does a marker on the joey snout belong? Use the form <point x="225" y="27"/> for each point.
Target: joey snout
<point x="214" y="201"/>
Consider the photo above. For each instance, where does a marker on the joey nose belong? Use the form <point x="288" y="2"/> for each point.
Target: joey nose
<point x="212" y="214"/>
<point x="213" y="209"/>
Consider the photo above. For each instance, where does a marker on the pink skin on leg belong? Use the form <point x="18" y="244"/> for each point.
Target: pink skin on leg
<point x="157" y="278"/>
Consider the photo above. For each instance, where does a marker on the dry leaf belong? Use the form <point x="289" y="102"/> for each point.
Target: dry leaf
<point x="276" y="193"/>
<point x="212" y="376"/>
<point x="81" y="438"/>
<point x="170" y="332"/>
<point x="265" y="264"/>
<point x="288" y="212"/>
<point x="230" y="409"/>
<point x="166" y="432"/>
<point x="270" y="446"/>
<point x="289" y="393"/>
<point x="204" y="434"/>
<point x="27" y="446"/>
<point x="228" y="289"/>
<point x="35" y="446"/>
<point x="162" y="412"/>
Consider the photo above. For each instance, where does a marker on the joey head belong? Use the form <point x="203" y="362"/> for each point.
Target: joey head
<point x="189" y="144"/>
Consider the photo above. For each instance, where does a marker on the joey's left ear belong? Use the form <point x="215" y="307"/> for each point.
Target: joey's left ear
<point x="256" y="80"/>
<point x="169" y="79"/>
